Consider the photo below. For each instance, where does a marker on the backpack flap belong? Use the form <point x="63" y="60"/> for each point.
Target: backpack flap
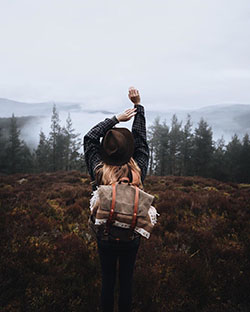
<point x="124" y="203"/>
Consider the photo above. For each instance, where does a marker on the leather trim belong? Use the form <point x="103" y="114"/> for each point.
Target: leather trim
<point x="135" y="208"/>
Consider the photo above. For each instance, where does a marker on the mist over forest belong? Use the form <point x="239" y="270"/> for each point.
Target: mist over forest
<point x="225" y="120"/>
<point x="179" y="148"/>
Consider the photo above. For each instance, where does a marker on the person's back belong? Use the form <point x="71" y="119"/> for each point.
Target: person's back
<point x="120" y="154"/>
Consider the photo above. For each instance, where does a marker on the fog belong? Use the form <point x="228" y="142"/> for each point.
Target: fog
<point x="82" y="122"/>
<point x="225" y="120"/>
<point x="182" y="54"/>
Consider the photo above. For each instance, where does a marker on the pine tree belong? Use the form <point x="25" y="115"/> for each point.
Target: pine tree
<point x="56" y="142"/>
<point x="232" y="156"/>
<point x="187" y="148"/>
<point x="43" y="153"/>
<point x="203" y="149"/>
<point x="27" y="159"/>
<point x="3" y="144"/>
<point x="72" y="146"/>
<point x="14" y="148"/>
<point x="244" y="160"/>
<point x="175" y="141"/>
<point x="159" y="147"/>
<point x="218" y="165"/>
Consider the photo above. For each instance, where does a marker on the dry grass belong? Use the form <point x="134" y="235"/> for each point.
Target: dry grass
<point x="196" y="260"/>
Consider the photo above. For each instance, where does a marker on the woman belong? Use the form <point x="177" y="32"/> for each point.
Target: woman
<point x="120" y="154"/>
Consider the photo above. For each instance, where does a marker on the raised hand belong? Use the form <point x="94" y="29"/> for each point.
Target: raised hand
<point x="134" y="95"/>
<point x="127" y="115"/>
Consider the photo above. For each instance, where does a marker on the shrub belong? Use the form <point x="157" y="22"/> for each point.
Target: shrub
<point x="197" y="258"/>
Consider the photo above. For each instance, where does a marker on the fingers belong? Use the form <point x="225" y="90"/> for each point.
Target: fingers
<point x="133" y="92"/>
<point x="130" y="110"/>
<point x="129" y="113"/>
<point x="131" y="116"/>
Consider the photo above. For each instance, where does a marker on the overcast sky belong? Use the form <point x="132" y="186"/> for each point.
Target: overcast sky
<point x="182" y="53"/>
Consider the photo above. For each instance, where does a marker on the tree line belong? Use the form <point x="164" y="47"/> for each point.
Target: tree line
<point x="174" y="150"/>
<point x="178" y="150"/>
<point x="58" y="151"/>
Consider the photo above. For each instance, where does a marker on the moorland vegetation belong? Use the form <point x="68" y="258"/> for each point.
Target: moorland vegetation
<point x="197" y="258"/>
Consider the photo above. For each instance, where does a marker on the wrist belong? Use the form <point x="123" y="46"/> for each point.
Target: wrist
<point x="116" y="118"/>
<point x="139" y="109"/>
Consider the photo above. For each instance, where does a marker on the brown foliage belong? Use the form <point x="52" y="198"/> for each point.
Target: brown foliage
<point x="197" y="258"/>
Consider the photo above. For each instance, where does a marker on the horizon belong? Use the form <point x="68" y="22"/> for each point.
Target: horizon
<point x="225" y="119"/>
<point x="99" y="109"/>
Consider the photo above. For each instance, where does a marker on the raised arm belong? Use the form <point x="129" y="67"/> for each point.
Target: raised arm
<point x="141" y="152"/>
<point x="91" y="143"/>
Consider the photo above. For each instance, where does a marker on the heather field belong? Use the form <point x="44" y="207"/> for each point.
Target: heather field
<point x="196" y="260"/>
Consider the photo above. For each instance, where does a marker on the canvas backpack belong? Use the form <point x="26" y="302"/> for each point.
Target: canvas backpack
<point x="121" y="211"/>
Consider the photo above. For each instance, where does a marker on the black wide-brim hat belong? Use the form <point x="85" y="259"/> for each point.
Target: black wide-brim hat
<point x="117" y="146"/>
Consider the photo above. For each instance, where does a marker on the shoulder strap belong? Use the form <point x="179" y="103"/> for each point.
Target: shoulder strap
<point x="135" y="208"/>
<point x="112" y="208"/>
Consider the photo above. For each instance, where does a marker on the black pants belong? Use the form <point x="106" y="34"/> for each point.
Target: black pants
<point x="110" y="252"/>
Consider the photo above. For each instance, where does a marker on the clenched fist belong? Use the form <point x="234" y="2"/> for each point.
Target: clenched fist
<point x="134" y="95"/>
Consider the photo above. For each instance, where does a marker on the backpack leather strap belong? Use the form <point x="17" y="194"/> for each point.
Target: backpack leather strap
<point x="135" y="208"/>
<point x="112" y="209"/>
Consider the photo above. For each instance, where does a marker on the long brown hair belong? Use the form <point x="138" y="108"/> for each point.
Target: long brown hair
<point x="108" y="174"/>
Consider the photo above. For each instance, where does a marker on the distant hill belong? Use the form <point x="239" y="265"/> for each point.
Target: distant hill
<point x="32" y="117"/>
<point x="225" y="120"/>
<point x="41" y="109"/>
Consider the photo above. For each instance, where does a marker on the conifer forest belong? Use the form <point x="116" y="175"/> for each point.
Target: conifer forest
<point x="175" y="149"/>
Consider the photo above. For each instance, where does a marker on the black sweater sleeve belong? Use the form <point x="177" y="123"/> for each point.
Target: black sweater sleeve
<point x="91" y="143"/>
<point x="141" y="152"/>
